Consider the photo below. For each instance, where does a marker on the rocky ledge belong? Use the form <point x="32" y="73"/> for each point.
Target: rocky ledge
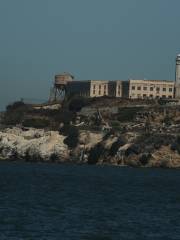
<point x="92" y="147"/>
<point x="32" y="145"/>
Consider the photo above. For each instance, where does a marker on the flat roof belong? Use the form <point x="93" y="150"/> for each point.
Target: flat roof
<point x="152" y="80"/>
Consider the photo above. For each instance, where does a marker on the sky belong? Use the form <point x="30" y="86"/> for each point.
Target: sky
<point x="91" y="39"/>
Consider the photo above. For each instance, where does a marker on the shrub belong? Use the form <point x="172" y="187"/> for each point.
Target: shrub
<point x="108" y="134"/>
<point x="95" y="153"/>
<point x="167" y="120"/>
<point x="64" y="116"/>
<point x="72" y="136"/>
<point x="36" y="122"/>
<point x="176" y="146"/>
<point x="115" y="146"/>
<point x="77" y="103"/>
<point x="15" y="113"/>
<point x="134" y="149"/>
<point x="144" y="159"/>
<point x="12" y="118"/>
<point x="178" y="140"/>
<point x="35" y="157"/>
<point x="54" y="157"/>
<point x="65" y="130"/>
<point x="15" y="106"/>
<point x="127" y="114"/>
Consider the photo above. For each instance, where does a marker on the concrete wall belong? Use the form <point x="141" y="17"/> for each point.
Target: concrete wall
<point x="115" y="88"/>
<point x="80" y="88"/>
<point x="126" y="89"/>
<point x="98" y="88"/>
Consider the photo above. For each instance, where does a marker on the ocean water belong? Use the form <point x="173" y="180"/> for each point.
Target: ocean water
<point x="71" y="202"/>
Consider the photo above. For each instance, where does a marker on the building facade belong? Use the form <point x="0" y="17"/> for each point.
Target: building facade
<point x="147" y="89"/>
<point x="115" y="88"/>
<point x="95" y="88"/>
<point x="144" y="89"/>
<point x="99" y="88"/>
<point x="151" y="89"/>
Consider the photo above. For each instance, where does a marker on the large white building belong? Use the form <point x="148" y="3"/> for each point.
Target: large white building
<point x="146" y="89"/>
<point x="151" y="89"/>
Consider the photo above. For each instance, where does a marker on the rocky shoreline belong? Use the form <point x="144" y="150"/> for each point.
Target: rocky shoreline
<point x="32" y="145"/>
<point x="29" y="144"/>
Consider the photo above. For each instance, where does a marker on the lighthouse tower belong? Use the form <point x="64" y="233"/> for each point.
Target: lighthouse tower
<point x="177" y="83"/>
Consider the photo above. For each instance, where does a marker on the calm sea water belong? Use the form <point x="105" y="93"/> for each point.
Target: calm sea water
<point x="69" y="202"/>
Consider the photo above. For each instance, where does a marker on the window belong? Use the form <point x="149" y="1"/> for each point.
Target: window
<point x="119" y="92"/>
<point x="94" y="92"/>
<point x="94" y="86"/>
<point x="133" y="87"/>
<point x="151" y="96"/>
<point x="104" y="87"/>
<point x="164" y="89"/>
<point x="145" y="88"/>
<point x="138" y="88"/>
<point x="119" y="87"/>
<point x="169" y="96"/>
<point x="99" y="92"/>
<point x="151" y="89"/>
<point x="104" y="92"/>
<point x="144" y="95"/>
<point x="99" y="86"/>
<point x="157" y="89"/>
<point x="170" y="89"/>
<point x="163" y="96"/>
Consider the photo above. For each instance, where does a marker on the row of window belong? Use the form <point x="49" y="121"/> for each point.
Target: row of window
<point x="99" y="92"/>
<point x="152" y="89"/>
<point x="105" y="86"/>
<point x="151" y="96"/>
<point x="94" y="86"/>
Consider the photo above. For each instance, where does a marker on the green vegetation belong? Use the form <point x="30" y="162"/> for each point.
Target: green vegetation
<point x="15" y="113"/>
<point x="36" y="123"/>
<point x="127" y="113"/>
<point x="95" y="153"/>
<point x="27" y="116"/>
<point x="77" y="103"/>
<point x="115" y="146"/>
<point x="54" y="157"/>
<point x="144" y="159"/>
<point x="72" y="134"/>
<point x="175" y="146"/>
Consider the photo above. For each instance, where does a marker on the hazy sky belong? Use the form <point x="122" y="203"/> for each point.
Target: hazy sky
<point x="92" y="39"/>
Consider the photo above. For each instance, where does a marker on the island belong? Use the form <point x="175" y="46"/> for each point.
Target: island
<point x="104" y="130"/>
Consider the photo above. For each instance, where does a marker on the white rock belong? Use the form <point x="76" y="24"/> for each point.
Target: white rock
<point x="35" y="142"/>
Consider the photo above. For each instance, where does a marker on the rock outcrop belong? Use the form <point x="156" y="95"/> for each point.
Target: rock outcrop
<point x="32" y="144"/>
<point x="92" y="147"/>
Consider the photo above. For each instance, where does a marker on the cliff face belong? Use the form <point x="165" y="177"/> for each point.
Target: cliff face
<point x="92" y="147"/>
<point x="33" y="144"/>
<point x="165" y="157"/>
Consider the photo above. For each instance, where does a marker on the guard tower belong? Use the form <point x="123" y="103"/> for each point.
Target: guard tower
<point x="177" y="83"/>
<point x="59" y="89"/>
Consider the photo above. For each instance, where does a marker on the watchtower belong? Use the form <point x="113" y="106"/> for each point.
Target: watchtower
<point x="59" y="89"/>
